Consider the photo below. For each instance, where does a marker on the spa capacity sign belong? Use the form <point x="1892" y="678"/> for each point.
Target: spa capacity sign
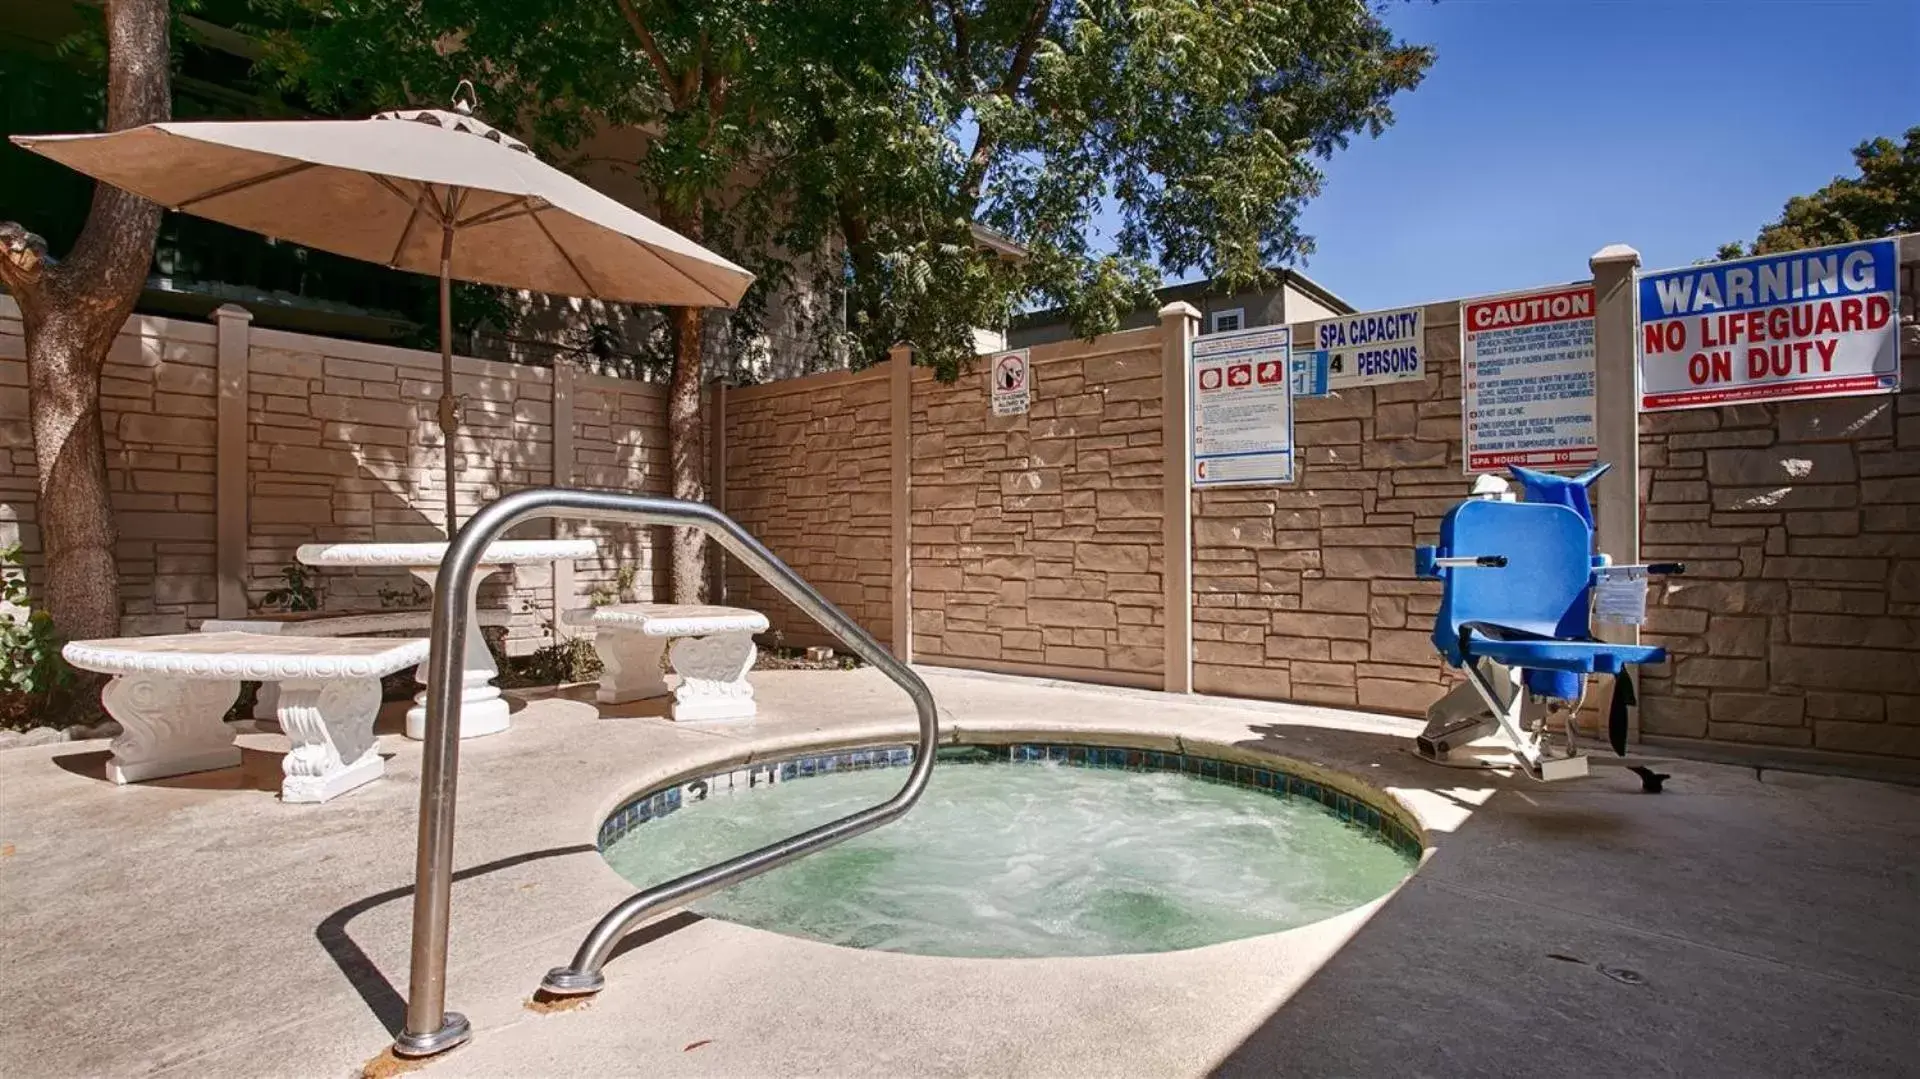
<point x="1527" y="379"/>
<point x="1242" y="408"/>
<point x="1012" y="376"/>
<point x="1364" y="350"/>
<point x="1817" y="323"/>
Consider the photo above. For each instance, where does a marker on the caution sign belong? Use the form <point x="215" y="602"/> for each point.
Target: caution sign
<point x="1012" y="383"/>
<point x="1242" y="408"/>
<point x="1526" y="379"/>
<point x="1817" y="323"/>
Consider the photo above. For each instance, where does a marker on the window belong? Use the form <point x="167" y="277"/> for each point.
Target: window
<point x="1231" y="319"/>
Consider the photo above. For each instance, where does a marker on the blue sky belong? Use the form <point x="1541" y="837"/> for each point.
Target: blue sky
<point x="1547" y="129"/>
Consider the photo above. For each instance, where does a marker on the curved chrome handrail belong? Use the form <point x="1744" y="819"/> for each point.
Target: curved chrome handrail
<point x="429" y="1027"/>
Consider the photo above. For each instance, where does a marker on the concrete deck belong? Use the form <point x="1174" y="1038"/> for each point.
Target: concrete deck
<point x="1741" y="924"/>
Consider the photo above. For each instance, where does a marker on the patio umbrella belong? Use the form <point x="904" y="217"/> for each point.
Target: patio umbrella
<point x="427" y="190"/>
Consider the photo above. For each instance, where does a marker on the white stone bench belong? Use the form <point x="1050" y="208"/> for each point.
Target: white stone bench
<point x="711" y="650"/>
<point x="171" y="694"/>
<point x="333" y="624"/>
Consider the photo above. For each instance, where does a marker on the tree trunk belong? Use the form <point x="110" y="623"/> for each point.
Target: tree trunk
<point x="686" y="457"/>
<point x="72" y="311"/>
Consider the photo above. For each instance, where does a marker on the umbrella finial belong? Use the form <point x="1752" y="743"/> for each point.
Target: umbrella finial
<point x="463" y="97"/>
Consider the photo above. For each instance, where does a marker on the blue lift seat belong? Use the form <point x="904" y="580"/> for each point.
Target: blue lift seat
<point x="1518" y="580"/>
<point x="1531" y="611"/>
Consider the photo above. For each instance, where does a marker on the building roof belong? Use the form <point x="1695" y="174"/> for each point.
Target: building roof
<point x="1191" y="291"/>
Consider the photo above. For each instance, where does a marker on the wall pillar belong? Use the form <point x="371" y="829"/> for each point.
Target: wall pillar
<point x="900" y="535"/>
<point x="231" y="323"/>
<point x="565" y="588"/>
<point x="716" y="428"/>
<point x="1616" y="421"/>
<point x="1179" y="323"/>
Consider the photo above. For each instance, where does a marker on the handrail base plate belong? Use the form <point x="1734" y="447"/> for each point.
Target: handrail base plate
<point x="567" y="982"/>
<point x="454" y="1031"/>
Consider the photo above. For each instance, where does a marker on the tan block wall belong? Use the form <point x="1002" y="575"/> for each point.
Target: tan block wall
<point x="1037" y="539"/>
<point x="157" y="394"/>
<point x="1306" y="592"/>
<point x="343" y="446"/>
<point x="810" y="474"/>
<point x="1798" y="621"/>
<point x="619" y="444"/>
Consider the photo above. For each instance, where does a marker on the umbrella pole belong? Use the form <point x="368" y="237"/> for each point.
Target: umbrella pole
<point x="449" y="406"/>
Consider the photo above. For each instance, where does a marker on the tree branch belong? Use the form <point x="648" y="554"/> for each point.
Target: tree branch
<point x="23" y="260"/>
<point x="1023" y="52"/>
<point x="651" y="47"/>
<point x="690" y="78"/>
<point x="984" y="141"/>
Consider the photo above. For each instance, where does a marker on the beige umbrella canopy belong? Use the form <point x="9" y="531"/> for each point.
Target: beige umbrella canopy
<point x="427" y="190"/>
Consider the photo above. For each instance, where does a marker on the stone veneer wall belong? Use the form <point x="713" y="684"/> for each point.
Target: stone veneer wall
<point x="157" y="390"/>
<point x="342" y="446"/>
<point x="1037" y="539"/>
<point x="1798" y="621"/>
<point x="1306" y="592"/>
<point x="809" y="473"/>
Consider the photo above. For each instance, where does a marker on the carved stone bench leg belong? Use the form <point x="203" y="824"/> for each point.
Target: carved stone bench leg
<point x="330" y="724"/>
<point x="169" y="726"/>
<point x="713" y="677"/>
<point x="629" y="666"/>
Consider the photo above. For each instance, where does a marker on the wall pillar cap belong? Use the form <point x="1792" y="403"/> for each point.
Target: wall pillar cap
<point x="1613" y="253"/>
<point x="1178" y="308"/>
<point x="232" y="310"/>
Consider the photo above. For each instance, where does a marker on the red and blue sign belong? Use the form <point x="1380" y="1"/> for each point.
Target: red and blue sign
<point x="1817" y="323"/>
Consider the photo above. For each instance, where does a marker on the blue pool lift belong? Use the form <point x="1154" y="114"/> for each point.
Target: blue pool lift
<point x="1515" y="617"/>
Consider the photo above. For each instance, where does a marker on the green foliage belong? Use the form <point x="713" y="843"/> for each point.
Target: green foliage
<point x="414" y="595"/>
<point x="1884" y="200"/>
<point x="30" y="660"/>
<point x="296" y="594"/>
<point x="621" y="592"/>
<point x="853" y="144"/>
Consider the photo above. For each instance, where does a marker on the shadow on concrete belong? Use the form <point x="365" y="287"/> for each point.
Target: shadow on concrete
<point x="1588" y="928"/>
<point x="259" y="770"/>
<point x="379" y="993"/>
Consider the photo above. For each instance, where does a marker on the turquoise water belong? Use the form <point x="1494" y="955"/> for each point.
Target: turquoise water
<point x="1028" y="859"/>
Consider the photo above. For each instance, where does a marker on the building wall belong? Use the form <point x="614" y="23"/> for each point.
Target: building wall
<point x="1301" y="307"/>
<point x="809" y="473"/>
<point x="1284" y="302"/>
<point x="1037" y="540"/>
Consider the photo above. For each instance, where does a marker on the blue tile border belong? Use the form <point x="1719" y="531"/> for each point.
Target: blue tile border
<point x="1356" y="812"/>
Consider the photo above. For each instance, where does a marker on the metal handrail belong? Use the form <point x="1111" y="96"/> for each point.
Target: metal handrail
<point x="429" y="1027"/>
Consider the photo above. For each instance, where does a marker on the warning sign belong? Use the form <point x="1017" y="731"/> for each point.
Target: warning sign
<point x="1816" y="323"/>
<point x="1011" y="374"/>
<point x="1242" y="408"/>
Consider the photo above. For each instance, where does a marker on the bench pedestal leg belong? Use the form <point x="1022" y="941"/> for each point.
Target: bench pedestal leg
<point x="629" y="666"/>
<point x="713" y="677"/>
<point x="331" y="726"/>
<point x="482" y="710"/>
<point x="169" y="726"/>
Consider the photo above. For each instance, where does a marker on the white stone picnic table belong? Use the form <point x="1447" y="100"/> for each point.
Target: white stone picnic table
<point x="482" y="711"/>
